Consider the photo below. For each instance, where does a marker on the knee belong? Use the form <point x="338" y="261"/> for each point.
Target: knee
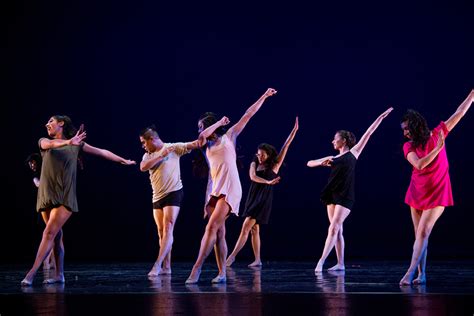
<point x="212" y="228"/>
<point x="49" y="234"/>
<point x="169" y="225"/>
<point x="423" y="233"/>
<point x="255" y="230"/>
<point x="334" y="229"/>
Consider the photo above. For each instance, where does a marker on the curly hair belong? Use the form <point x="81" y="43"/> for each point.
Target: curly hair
<point x="272" y="155"/>
<point x="418" y="128"/>
<point x="349" y="137"/>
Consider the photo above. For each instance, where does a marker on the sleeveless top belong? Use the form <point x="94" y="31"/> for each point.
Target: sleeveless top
<point x="223" y="174"/>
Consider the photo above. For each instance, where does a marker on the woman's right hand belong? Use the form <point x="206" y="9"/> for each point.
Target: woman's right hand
<point x="79" y="137"/>
<point x="274" y="181"/>
<point x="224" y="121"/>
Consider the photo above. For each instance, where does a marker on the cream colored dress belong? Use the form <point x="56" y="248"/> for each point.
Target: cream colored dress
<point x="223" y="174"/>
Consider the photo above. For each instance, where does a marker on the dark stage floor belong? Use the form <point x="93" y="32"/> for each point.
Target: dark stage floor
<point x="278" y="288"/>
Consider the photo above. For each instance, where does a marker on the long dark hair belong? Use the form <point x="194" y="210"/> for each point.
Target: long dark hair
<point x="272" y="155"/>
<point x="349" y="137"/>
<point x="69" y="130"/>
<point x="418" y="128"/>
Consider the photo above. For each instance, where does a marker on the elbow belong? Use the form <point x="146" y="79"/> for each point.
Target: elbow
<point x="143" y="168"/>
<point x="419" y="166"/>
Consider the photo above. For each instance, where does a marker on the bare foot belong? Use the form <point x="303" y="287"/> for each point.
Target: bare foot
<point x="193" y="277"/>
<point x="155" y="271"/>
<point x="219" y="279"/>
<point x="229" y="261"/>
<point x="255" y="264"/>
<point x="407" y="279"/>
<point x="319" y="266"/>
<point x="28" y="280"/>
<point x="337" y="267"/>
<point x="56" y="279"/>
<point x="421" y="279"/>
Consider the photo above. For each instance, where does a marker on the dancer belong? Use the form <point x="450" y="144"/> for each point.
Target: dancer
<point x="224" y="190"/>
<point x="264" y="175"/>
<point x="161" y="160"/>
<point x="57" y="188"/>
<point x="34" y="163"/>
<point x="429" y="191"/>
<point x="338" y="195"/>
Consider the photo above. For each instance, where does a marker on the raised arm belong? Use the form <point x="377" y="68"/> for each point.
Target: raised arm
<point x="461" y="110"/>
<point x="357" y="149"/>
<point x="321" y="162"/>
<point x="106" y="154"/>
<point x="255" y="178"/>
<point x="240" y="125"/>
<point x="421" y="163"/>
<point x="286" y="145"/>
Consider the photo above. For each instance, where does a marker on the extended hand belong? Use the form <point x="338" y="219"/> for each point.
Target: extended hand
<point x="224" y="121"/>
<point x="270" y="92"/>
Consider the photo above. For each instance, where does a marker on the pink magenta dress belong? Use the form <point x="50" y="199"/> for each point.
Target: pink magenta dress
<point x="431" y="186"/>
<point x="223" y="174"/>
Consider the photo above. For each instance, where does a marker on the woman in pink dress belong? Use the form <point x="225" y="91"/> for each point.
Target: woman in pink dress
<point x="429" y="191"/>
<point x="224" y="190"/>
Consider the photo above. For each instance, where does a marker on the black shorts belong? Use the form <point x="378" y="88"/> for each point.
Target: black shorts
<point x="172" y="199"/>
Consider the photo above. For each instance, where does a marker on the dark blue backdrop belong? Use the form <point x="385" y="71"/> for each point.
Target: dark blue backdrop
<point x="118" y="66"/>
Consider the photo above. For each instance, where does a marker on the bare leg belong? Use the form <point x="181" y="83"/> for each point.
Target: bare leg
<point x="165" y="220"/>
<point x="49" y="263"/>
<point x="244" y="234"/>
<point x="220" y="248"/>
<point x="57" y="218"/>
<point x="340" y="244"/>
<point x="340" y="214"/>
<point x="421" y="279"/>
<point x="427" y="221"/>
<point x="216" y="220"/>
<point x="58" y="250"/>
<point x="256" y="246"/>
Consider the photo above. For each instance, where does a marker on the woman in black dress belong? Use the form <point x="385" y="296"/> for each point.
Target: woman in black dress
<point x="264" y="174"/>
<point x="338" y="195"/>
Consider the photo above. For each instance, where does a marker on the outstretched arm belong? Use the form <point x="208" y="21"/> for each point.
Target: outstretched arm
<point x="284" y="149"/>
<point x="255" y="178"/>
<point x="321" y="162"/>
<point x="462" y="109"/>
<point x="46" y="143"/>
<point x="357" y="149"/>
<point x="421" y="163"/>
<point x="106" y="154"/>
<point x="240" y="125"/>
<point x="202" y="140"/>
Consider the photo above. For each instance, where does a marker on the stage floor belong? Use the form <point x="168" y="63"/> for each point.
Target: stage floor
<point x="277" y="288"/>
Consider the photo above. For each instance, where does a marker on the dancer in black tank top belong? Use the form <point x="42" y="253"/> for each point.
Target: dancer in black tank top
<point x="338" y="194"/>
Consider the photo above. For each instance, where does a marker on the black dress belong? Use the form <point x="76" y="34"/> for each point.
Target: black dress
<point x="260" y="197"/>
<point x="340" y="187"/>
